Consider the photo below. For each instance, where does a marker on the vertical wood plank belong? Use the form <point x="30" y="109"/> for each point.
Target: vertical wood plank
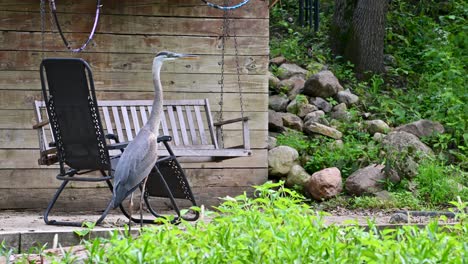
<point x="144" y="118"/>
<point x="191" y="124"/>
<point x="201" y="127"/>
<point x="107" y="120"/>
<point x="175" y="132"/>
<point x="136" y="122"/>
<point x="118" y="125"/>
<point x="128" y="127"/>
<point x="209" y="119"/>
<point x="165" y="129"/>
<point x="183" y="129"/>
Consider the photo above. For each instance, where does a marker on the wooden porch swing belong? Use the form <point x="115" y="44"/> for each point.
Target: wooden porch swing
<point x="196" y="137"/>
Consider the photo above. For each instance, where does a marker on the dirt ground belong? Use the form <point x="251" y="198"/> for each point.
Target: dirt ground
<point x="32" y="221"/>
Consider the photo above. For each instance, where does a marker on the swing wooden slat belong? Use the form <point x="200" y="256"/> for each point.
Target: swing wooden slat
<point x="196" y="147"/>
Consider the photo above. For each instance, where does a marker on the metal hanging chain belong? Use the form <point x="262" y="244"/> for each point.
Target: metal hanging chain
<point x="227" y="33"/>
<point x="226" y="6"/>
<point x="223" y="51"/>
<point x="90" y="37"/>
<point x="42" y="10"/>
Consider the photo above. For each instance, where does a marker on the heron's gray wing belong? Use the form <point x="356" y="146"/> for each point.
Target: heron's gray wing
<point x="134" y="165"/>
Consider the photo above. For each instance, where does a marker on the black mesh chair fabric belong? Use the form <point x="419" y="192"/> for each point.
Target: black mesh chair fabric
<point x="72" y="109"/>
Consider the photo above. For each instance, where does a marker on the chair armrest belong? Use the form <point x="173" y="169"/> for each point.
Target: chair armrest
<point x="112" y="137"/>
<point x="230" y="121"/>
<point x="41" y="124"/>
<point x="121" y="146"/>
<point x="164" y="138"/>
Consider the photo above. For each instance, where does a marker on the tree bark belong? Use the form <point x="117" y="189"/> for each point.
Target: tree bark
<point x="358" y="32"/>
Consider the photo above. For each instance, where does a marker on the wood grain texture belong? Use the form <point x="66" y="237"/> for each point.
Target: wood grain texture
<point x="45" y="179"/>
<point x="136" y="81"/>
<point x="116" y="43"/>
<point x="127" y="37"/>
<point x="27" y="159"/>
<point x="110" y="62"/>
<point x="21" y="99"/>
<point x="75" y="200"/>
<point x="145" y="25"/>
<point x="174" y="8"/>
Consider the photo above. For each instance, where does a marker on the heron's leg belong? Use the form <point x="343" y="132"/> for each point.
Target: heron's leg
<point x="141" y="200"/>
<point x="131" y="213"/>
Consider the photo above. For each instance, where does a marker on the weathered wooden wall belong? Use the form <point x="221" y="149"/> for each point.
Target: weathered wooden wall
<point x="128" y="35"/>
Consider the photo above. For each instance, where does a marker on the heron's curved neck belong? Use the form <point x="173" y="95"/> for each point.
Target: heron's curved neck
<point x="155" y="116"/>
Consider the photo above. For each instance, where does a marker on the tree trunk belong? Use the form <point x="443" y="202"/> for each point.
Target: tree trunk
<point x="358" y="32"/>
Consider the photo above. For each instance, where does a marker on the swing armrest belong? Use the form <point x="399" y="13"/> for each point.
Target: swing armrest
<point x="41" y="124"/>
<point x="245" y="130"/>
<point x="230" y="121"/>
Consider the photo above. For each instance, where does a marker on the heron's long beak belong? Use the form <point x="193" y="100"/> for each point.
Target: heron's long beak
<point x="187" y="57"/>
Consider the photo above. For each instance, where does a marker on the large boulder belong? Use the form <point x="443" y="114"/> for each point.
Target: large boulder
<point x="367" y="180"/>
<point x="376" y="126"/>
<point x="278" y="102"/>
<point x="317" y="128"/>
<point x="280" y="160"/>
<point x="422" y="128"/>
<point x="287" y="70"/>
<point x="292" y="121"/>
<point x="297" y="86"/>
<point x="295" y="104"/>
<point x="347" y="97"/>
<point x="275" y="121"/>
<point x="297" y="176"/>
<point x="402" y="141"/>
<point x="321" y="103"/>
<point x="404" y="152"/>
<point x="323" y="84"/>
<point x="306" y="109"/>
<point x="325" y="184"/>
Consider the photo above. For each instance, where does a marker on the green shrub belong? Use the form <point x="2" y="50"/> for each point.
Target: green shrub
<point x="277" y="227"/>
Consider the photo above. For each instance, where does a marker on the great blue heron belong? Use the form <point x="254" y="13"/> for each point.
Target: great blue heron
<point x="141" y="154"/>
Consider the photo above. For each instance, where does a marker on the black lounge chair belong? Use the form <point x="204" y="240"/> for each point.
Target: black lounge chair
<point x="80" y="144"/>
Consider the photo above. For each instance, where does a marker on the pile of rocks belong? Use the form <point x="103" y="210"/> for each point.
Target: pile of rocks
<point x="303" y="103"/>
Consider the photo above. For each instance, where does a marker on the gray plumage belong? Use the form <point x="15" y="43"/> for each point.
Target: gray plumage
<point x="141" y="154"/>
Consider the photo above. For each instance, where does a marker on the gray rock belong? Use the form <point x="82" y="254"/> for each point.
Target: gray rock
<point x="317" y="128"/>
<point x="399" y="218"/>
<point x="281" y="159"/>
<point x="278" y="102"/>
<point x="278" y="60"/>
<point x="323" y="84"/>
<point x="295" y="104"/>
<point x="272" y="142"/>
<point x="384" y="195"/>
<point x="376" y="126"/>
<point x="275" y="121"/>
<point x="306" y="109"/>
<point x="292" y="121"/>
<point x="325" y="184"/>
<point x="404" y="152"/>
<point x="366" y="180"/>
<point x="422" y="128"/>
<point x="297" y="177"/>
<point x="347" y="97"/>
<point x="340" y="112"/>
<point x="285" y="86"/>
<point x="340" y="108"/>
<point x="402" y="141"/>
<point x="315" y="116"/>
<point x="378" y="137"/>
<point x="321" y="104"/>
<point x="298" y="86"/>
<point x="287" y="70"/>
<point x="273" y="82"/>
